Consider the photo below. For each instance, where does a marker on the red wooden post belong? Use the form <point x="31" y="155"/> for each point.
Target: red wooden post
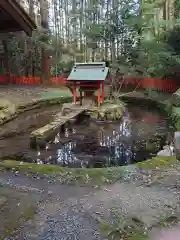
<point x="74" y="93"/>
<point x="102" y="91"/>
<point x="99" y="94"/>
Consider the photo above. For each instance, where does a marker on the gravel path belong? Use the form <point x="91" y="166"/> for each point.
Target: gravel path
<point x="62" y="221"/>
<point x="69" y="212"/>
<point x="59" y="215"/>
<point x="147" y="203"/>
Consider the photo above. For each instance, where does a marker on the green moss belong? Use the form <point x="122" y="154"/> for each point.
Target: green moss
<point x="96" y="176"/>
<point x="109" y="110"/>
<point x="175" y="118"/>
<point x="158" y="162"/>
<point x="29" y="213"/>
<point x="67" y="175"/>
<point x="131" y="228"/>
<point x="13" y="226"/>
<point x="125" y="229"/>
<point x="152" y="146"/>
<point x="31" y="167"/>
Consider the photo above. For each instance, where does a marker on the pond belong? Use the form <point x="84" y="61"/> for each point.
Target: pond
<point x="139" y="136"/>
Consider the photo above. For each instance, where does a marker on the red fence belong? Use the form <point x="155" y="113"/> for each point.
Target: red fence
<point x="31" y="80"/>
<point x="164" y="85"/>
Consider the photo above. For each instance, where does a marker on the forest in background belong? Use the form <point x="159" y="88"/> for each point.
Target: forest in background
<point x="135" y="37"/>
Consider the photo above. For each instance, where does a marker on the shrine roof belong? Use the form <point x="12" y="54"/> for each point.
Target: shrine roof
<point x="14" y="18"/>
<point x="94" y="71"/>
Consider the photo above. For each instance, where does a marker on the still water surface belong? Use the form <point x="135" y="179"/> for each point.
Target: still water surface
<point x="101" y="144"/>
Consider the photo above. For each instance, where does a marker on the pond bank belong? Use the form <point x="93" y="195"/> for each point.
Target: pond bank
<point x="96" y="176"/>
<point x="18" y="99"/>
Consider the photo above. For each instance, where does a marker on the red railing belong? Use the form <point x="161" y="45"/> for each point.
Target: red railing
<point x="31" y="80"/>
<point x="164" y="85"/>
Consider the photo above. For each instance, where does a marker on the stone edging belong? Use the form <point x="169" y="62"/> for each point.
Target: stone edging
<point x="162" y="105"/>
<point x="32" y="105"/>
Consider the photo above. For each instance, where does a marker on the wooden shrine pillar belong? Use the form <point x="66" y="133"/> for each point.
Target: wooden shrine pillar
<point x="74" y="93"/>
<point x="81" y="96"/>
<point x="102" y="91"/>
<point x="99" y="94"/>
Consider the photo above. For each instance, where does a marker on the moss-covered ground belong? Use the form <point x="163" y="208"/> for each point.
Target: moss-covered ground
<point x="86" y="176"/>
<point x="132" y="228"/>
<point x="15" y="212"/>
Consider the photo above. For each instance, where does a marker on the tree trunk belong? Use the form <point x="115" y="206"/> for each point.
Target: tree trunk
<point x="6" y="60"/>
<point x="45" y="77"/>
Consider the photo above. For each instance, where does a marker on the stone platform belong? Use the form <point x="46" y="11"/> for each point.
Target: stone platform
<point x="39" y="137"/>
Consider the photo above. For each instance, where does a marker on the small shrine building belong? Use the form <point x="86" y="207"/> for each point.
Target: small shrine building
<point x="88" y="77"/>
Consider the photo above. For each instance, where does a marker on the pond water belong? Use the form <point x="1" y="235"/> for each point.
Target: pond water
<point x="139" y="136"/>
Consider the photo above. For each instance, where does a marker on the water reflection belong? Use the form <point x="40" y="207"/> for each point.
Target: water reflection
<point x="98" y="144"/>
<point x="101" y="144"/>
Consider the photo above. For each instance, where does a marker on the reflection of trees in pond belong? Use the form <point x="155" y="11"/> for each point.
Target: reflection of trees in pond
<point x="99" y="147"/>
<point x="120" y="151"/>
<point x="104" y="144"/>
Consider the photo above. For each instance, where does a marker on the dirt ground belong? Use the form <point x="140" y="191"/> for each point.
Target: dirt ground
<point x="72" y="212"/>
<point x="25" y="94"/>
<point x="16" y="209"/>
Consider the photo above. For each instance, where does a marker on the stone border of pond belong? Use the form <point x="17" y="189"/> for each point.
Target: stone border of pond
<point x="88" y="176"/>
<point x="6" y="115"/>
<point x="162" y="105"/>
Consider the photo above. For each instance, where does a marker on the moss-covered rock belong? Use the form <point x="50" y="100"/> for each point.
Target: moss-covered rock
<point x="176" y="99"/>
<point x="154" y="143"/>
<point x="108" y="111"/>
<point x="6" y="109"/>
<point x="175" y="118"/>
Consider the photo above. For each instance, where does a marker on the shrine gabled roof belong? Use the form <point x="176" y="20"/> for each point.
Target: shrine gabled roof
<point x="94" y="71"/>
<point x="14" y="18"/>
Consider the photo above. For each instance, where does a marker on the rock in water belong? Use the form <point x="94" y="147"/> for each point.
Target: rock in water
<point x="166" y="152"/>
<point x="108" y="111"/>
